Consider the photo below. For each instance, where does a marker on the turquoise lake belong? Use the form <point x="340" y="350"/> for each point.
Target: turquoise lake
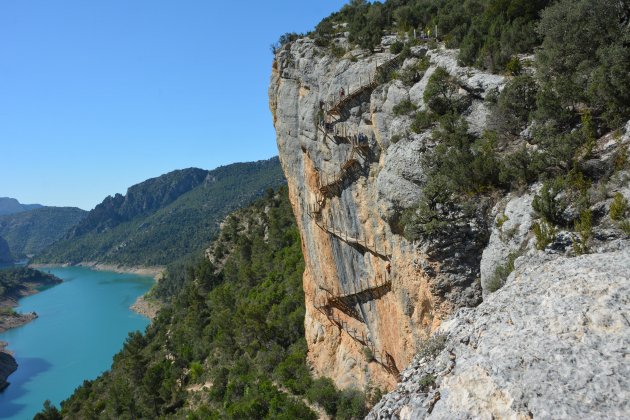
<point x="82" y="323"/>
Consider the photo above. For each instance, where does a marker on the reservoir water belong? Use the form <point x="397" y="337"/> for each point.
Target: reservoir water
<point x="82" y="323"/>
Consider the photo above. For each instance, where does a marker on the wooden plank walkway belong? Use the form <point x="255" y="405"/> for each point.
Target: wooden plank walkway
<point x="346" y="302"/>
<point x="361" y="243"/>
<point x="340" y="101"/>
<point x="381" y="357"/>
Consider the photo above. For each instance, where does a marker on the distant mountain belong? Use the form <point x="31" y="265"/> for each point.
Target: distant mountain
<point x="166" y="218"/>
<point x="5" y="252"/>
<point x="11" y="206"/>
<point x="29" y="232"/>
<point x="141" y="199"/>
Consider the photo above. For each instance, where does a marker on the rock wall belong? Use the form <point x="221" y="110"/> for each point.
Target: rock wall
<point x="371" y="296"/>
<point x="8" y="365"/>
<point x="552" y="343"/>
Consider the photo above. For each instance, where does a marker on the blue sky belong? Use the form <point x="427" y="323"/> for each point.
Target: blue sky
<point x="98" y="95"/>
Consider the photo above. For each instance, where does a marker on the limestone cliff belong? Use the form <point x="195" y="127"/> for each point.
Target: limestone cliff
<point x="552" y="343"/>
<point x="352" y="166"/>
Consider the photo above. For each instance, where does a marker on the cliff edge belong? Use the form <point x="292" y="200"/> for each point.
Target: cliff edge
<point x="357" y="160"/>
<point x="552" y="343"/>
<point x="353" y="165"/>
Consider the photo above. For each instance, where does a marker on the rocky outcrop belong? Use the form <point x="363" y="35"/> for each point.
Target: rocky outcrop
<point x="513" y="215"/>
<point x="352" y="167"/>
<point x="10" y="320"/>
<point x="8" y="365"/>
<point x="552" y="343"/>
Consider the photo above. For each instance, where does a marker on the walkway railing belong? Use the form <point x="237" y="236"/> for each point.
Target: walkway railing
<point x="339" y="100"/>
<point x="359" y="242"/>
<point x="382" y="358"/>
<point x="346" y="302"/>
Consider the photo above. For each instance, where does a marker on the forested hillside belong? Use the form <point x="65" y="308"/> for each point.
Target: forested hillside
<point x="29" y="232"/>
<point x="5" y="252"/>
<point x="15" y="282"/>
<point x="166" y="218"/>
<point x="550" y="148"/>
<point x="236" y="325"/>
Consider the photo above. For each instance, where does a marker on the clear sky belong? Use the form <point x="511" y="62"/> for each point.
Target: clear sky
<point x="98" y="95"/>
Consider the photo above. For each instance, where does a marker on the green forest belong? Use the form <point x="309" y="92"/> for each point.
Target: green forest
<point x="576" y="90"/>
<point x="164" y="219"/>
<point x="15" y="281"/>
<point x="235" y="321"/>
<point x="30" y="232"/>
<point x="238" y="326"/>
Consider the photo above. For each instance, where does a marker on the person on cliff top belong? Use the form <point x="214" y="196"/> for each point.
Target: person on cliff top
<point x="342" y="93"/>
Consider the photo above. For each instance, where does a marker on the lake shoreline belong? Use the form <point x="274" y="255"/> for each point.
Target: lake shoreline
<point x="11" y="319"/>
<point x="155" y="272"/>
<point x="82" y="324"/>
<point x="143" y="305"/>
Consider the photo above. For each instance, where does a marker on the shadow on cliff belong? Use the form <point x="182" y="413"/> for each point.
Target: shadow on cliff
<point x="28" y="368"/>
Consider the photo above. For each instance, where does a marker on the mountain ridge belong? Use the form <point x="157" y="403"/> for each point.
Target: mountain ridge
<point x="10" y="205"/>
<point x="29" y="232"/>
<point x="164" y="218"/>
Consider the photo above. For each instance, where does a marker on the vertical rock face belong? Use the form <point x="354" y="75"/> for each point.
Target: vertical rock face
<point x="352" y="167"/>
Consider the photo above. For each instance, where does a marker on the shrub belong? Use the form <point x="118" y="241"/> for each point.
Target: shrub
<point x="404" y="107"/>
<point x="545" y="234"/>
<point x="396" y="47"/>
<point x="384" y="75"/>
<point x="427" y="382"/>
<point x="588" y="131"/>
<point x="324" y="393"/>
<point x="501" y="219"/>
<point x="337" y="51"/>
<point x="323" y="32"/>
<point x="410" y="75"/>
<point x="581" y="63"/>
<point x="618" y="207"/>
<point x="431" y="347"/>
<point x="458" y="167"/>
<point x="515" y="104"/>
<point x="502" y="272"/>
<point x="621" y="158"/>
<point x="50" y="412"/>
<point x="351" y="405"/>
<point x="421" y="121"/>
<point x="429" y="218"/>
<point x="513" y="66"/>
<point x="442" y="93"/>
<point x="284" y="40"/>
<point x="584" y="229"/>
<point x="520" y="167"/>
<point x="196" y="370"/>
<point x="548" y="203"/>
